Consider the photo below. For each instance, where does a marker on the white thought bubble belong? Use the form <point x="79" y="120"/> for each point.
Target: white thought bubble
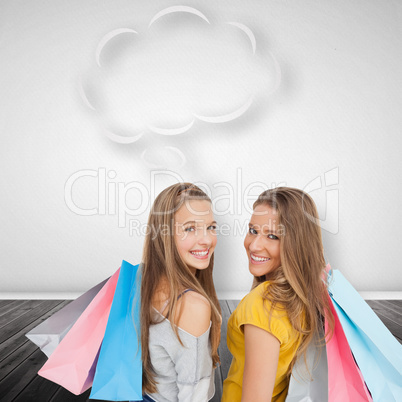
<point x="181" y="70"/>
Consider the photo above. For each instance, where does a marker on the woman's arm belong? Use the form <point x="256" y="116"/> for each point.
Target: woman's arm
<point x="193" y="362"/>
<point x="261" y="363"/>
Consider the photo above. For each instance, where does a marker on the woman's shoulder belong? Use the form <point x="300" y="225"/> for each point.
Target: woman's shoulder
<point x="257" y="310"/>
<point x="256" y="294"/>
<point x="194" y="312"/>
<point x="256" y="304"/>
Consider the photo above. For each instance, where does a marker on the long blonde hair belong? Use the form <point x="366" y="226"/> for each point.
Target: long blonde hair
<point x="297" y="286"/>
<point x="162" y="260"/>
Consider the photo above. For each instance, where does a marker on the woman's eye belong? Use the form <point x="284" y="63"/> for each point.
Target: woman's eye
<point x="273" y="237"/>
<point x="190" y="229"/>
<point x="212" y="227"/>
<point x="252" y="231"/>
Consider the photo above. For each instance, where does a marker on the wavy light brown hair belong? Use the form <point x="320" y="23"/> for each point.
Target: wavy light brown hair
<point x="297" y="286"/>
<point x="162" y="260"/>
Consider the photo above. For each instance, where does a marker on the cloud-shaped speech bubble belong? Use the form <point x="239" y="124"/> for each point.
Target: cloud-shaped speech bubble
<point x="183" y="68"/>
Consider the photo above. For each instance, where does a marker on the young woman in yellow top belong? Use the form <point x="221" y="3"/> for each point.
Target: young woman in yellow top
<point x="273" y="325"/>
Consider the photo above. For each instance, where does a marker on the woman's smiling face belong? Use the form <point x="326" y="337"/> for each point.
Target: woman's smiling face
<point x="195" y="233"/>
<point x="262" y="242"/>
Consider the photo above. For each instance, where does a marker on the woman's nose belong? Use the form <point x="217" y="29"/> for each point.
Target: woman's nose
<point x="205" y="238"/>
<point x="256" y="244"/>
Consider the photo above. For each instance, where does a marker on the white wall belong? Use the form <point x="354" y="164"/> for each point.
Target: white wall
<point x="326" y="92"/>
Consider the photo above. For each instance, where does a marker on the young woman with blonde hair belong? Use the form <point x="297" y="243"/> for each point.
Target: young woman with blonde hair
<point x="180" y="313"/>
<point x="273" y="325"/>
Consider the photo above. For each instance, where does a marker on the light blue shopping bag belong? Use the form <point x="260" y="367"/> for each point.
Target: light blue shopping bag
<point x="118" y="375"/>
<point x="377" y="352"/>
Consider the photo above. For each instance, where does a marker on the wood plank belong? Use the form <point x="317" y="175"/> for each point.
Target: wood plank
<point x="66" y="396"/>
<point x="5" y="303"/>
<point x="18" y="312"/>
<point x="392" y="326"/>
<point x="38" y="389"/>
<point x="224" y="354"/>
<point x="397" y="310"/>
<point x="218" y="386"/>
<point x="20" y="359"/>
<point x="39" y="315"/>
<point x="232" y="305"/>
<point x="380" y="306"/>
<point x="27" y="360"/>
<point x="397" y="303"/>
<point x="4" y="310"/>
<point x="37" y="310"/>
<point x="15" y="358"/>
<point x="13" y="384"/>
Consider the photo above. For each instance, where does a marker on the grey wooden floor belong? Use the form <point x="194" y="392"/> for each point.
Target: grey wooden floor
<point x="20" y="359"/>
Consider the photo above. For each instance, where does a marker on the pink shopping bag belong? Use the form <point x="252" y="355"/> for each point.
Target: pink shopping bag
<point x="72" y="364"/>
<point x="376" y="351"/>
<point x="345" y="381"/>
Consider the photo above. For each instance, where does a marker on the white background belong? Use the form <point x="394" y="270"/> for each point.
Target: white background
<point x="335" y="72"/>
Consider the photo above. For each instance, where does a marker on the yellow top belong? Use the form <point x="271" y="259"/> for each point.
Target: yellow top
<point x="254" y="310"/>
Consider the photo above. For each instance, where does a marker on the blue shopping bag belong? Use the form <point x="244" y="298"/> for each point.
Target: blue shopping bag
<point x="377" y="353"/>
<point x="118" y="375"/>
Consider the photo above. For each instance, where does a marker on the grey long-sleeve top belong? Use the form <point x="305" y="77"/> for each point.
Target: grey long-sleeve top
<point x="183" y="373"/>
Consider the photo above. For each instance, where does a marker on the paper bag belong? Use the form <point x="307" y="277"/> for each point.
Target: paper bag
<point x="48" y="334"/>
<point x="118" y="375"/>
<point x="73" y="362"/>
<point x="377" y="352"/>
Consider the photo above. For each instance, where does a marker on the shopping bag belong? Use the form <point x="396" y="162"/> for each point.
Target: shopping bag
<point x="345" y="381"/>
<point x="72" y="364"/>
<point x="310" y="383"/>
<point x="118" y="375"/>
<point x="377" y="353"/>
<point x="50" y="332"/>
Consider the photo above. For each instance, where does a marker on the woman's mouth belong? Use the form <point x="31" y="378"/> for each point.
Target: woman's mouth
<point x="200" y="254"/>
<point x="255" y="259"/>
